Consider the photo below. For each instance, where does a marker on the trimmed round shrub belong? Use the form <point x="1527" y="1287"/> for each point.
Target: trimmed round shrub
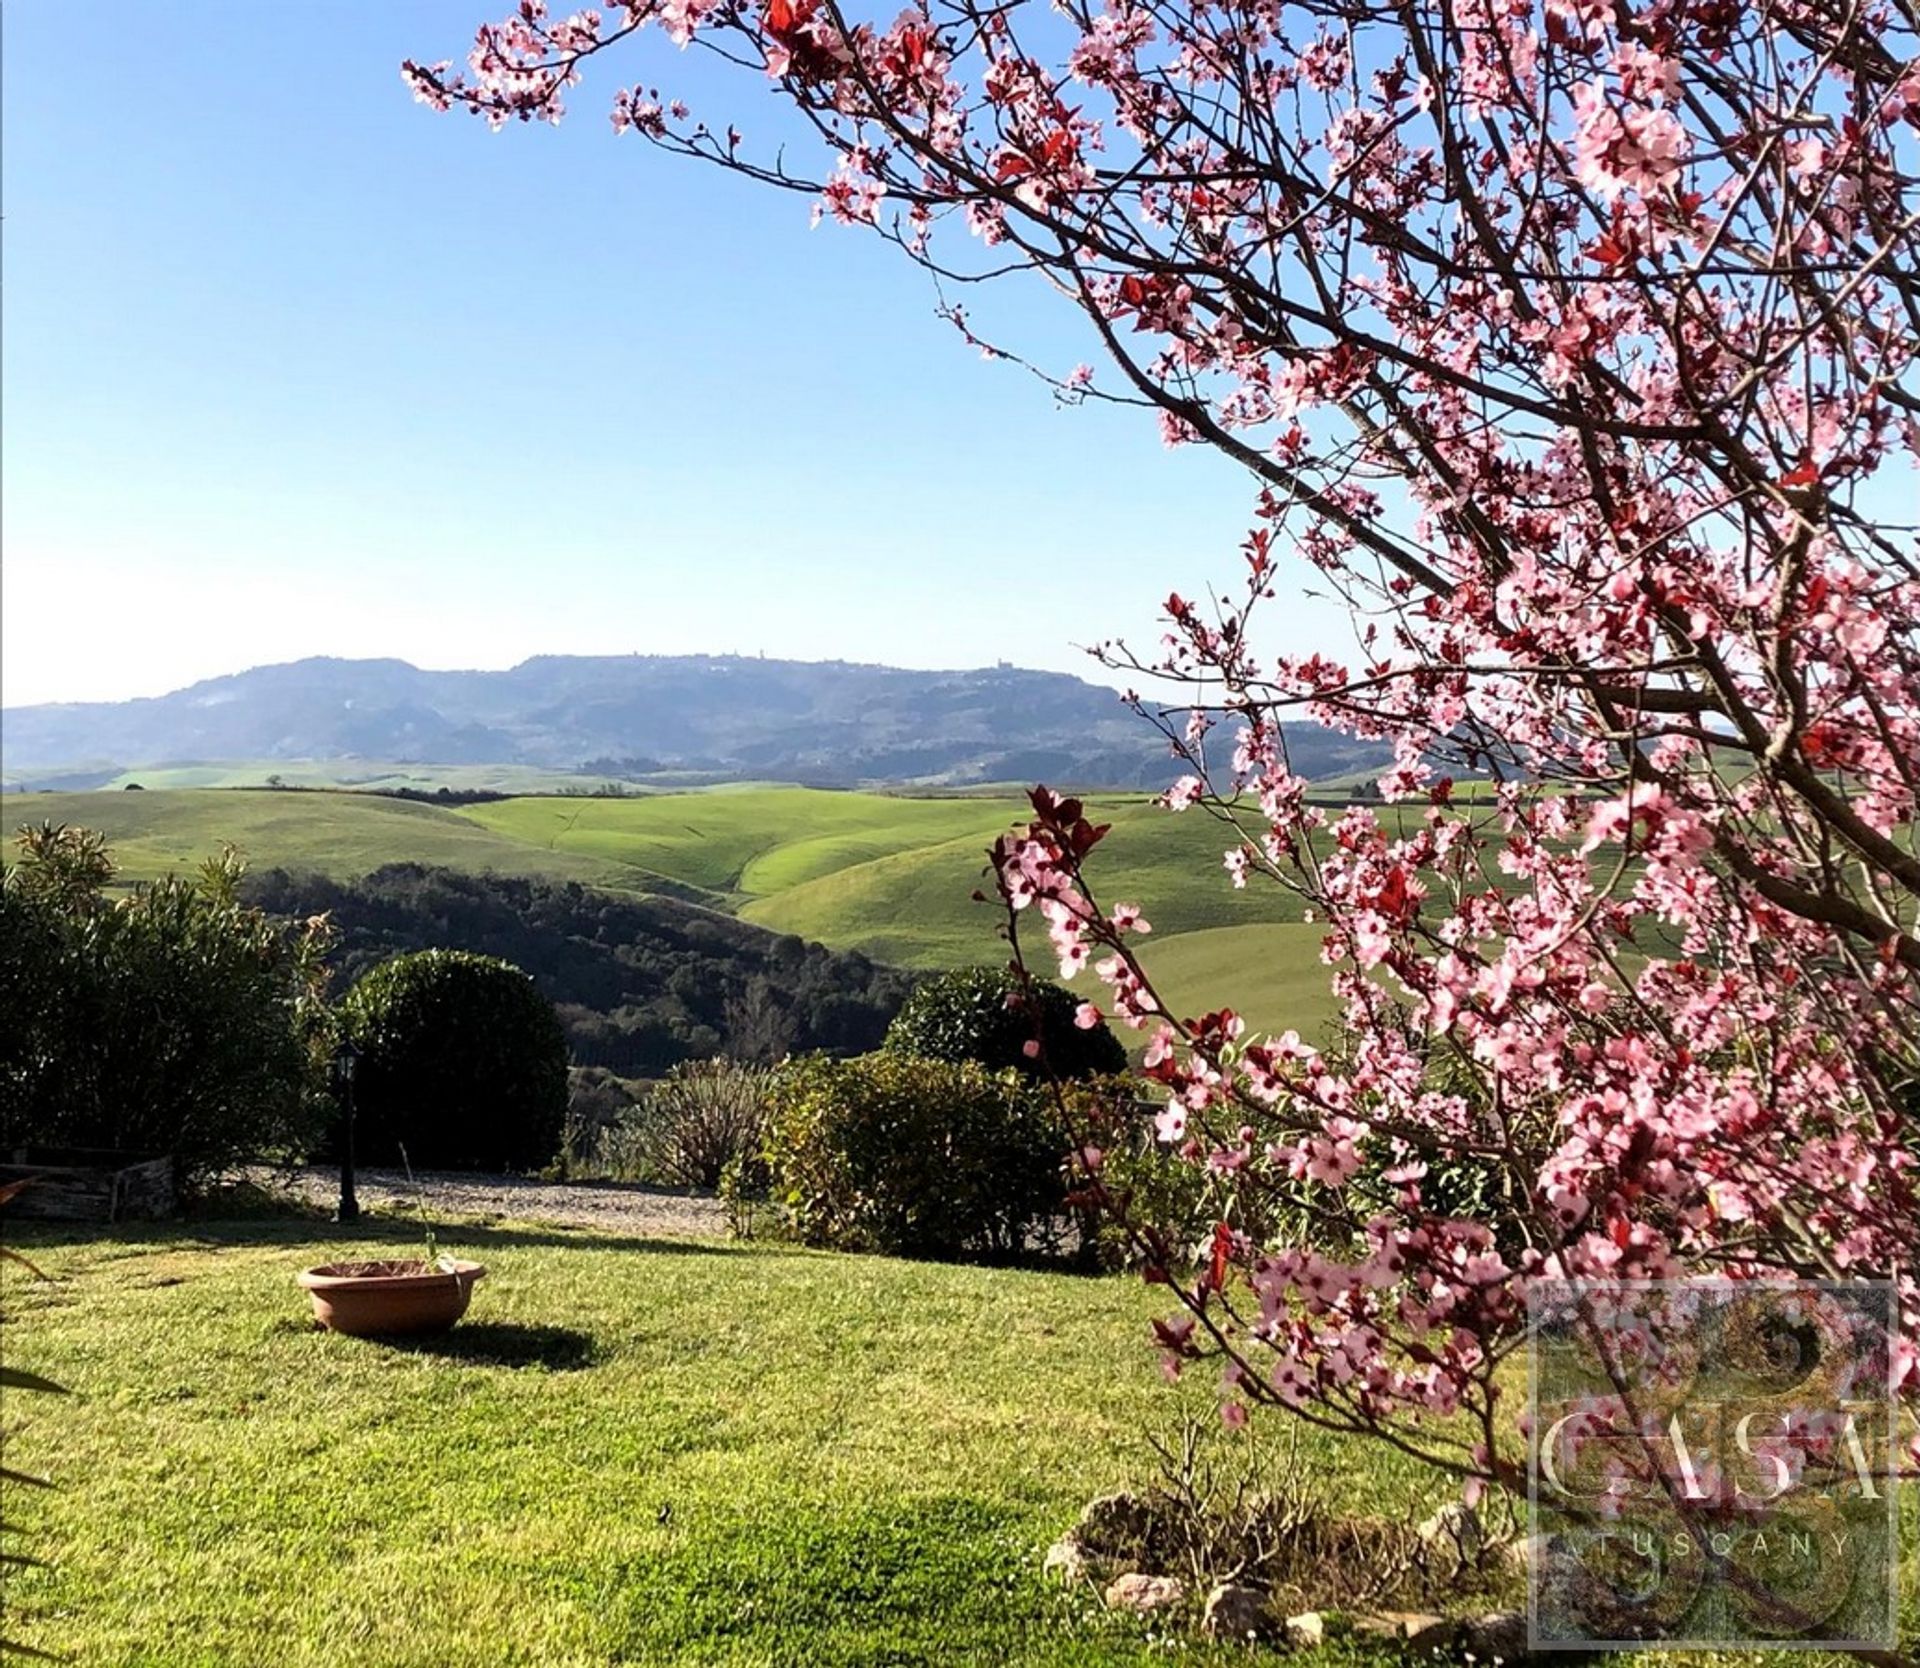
<point x="462" y="1062"/>
<point x="966" y="1015"/>
<point x="914" y="1158"/>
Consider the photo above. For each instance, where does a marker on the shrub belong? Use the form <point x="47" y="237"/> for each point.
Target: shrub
<point x="986" y="1015"/>
<point x="706" y="1116"/>
<point x="596" y="1101"/>
<point x="746" y="1188"/>
<point x="1153" y="1186"/>
<point x="1150" y="1186"/>
<point x="914" y="1157"/>
<point x="462" y="1061"/>
<point x="172" y="1020"/>
<point x="1141" y="1183"/>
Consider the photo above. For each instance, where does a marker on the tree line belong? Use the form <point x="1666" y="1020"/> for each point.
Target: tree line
<point x="640" y="983"/>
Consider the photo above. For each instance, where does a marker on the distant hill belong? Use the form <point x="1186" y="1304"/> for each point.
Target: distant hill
<point x="635" y="717"/>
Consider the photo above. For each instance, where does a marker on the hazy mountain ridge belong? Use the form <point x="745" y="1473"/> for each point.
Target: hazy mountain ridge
<point x="834" y="723"/>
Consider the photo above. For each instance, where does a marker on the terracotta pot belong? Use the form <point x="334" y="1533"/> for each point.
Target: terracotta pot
<point x="392" y="1297"/>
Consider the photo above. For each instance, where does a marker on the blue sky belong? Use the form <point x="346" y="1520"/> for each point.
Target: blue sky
<point x="294" y="366"/>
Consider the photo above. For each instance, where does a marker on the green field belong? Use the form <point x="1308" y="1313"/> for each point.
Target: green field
<point x="632" y="1451"/>
<point x="746" y="842"/>
<point x="359" y="774"/>
<point x="894" y="878"/>
<point x="1272" y="975"/>
<point x="338" y="834"/>
<point x="890" y="876"/>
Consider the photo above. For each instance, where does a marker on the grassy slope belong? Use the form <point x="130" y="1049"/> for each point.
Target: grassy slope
<point x="857" y="1461"/>
<point x="338" y="834"/>
<point x="895" y="877"/>
<point x="916" y="907"/>
<point x="750" y="841"/>
<point x="890" y="876"/>
<point x="1270" y="973"/>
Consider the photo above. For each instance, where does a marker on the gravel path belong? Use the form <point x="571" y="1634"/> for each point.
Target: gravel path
<point x="614" y="1207"/>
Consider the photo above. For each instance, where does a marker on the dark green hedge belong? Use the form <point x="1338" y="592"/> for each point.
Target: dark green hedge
<point x="986" y="1015"/>
<point x="462" y="1061"/>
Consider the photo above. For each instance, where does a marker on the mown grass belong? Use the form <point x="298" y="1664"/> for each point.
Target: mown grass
<point x="629" y="1452"/>
<point x="632" y="1451"/>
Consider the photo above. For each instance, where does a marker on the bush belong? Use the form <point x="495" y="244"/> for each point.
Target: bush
<point x="1142" y="1182"/>
<point x="707" y="1116"/>
<point x="746" y="1187"/>
<point x="1145" y="1184"/>
<point x="914" y="1157"/>
<point x="986" y="1015"/>
<point x="1156" y="1187"/>
<point x="596" y="1102"/>
<point x="462" y="1062"/>
<point x="173" y="1020"/>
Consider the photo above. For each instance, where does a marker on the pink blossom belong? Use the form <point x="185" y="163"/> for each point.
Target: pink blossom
<point x="1577" y="365"/>
<point x="1638" y="151"/>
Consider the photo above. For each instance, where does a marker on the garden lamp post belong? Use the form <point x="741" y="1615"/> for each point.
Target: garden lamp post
<point x="345" y="1059"/>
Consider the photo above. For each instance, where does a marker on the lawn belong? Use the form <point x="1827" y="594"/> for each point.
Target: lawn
<point x="630" y="1452"/>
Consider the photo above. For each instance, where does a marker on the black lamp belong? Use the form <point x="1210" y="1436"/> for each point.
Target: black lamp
<point x="346" y="1058"/>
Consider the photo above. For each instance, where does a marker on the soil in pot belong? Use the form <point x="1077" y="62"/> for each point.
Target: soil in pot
<point x="395" y="1298"/>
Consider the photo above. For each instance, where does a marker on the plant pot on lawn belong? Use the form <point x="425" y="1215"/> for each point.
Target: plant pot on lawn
<point x="390" y="1298"/>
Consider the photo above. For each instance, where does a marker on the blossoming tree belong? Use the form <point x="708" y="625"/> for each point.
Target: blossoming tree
<point x="1574" y="344"/>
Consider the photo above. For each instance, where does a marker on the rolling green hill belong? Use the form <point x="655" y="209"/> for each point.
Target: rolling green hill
<point x="890" y="876"/>
<point x="894" y="878"/>
<point x="337" y="834"/>
<point x="1270" y="974"/>
<point x="368" y="775"/>
<point x="915" y="906"/>
<point x="748" y="841"/>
